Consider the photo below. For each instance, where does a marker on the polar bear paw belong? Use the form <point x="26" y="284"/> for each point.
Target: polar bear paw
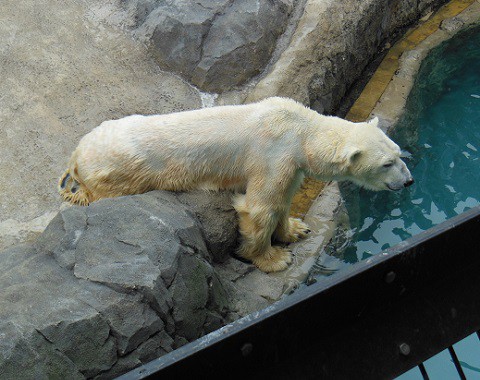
<point x="275" y="259"/>
<point x="296" y="230"/>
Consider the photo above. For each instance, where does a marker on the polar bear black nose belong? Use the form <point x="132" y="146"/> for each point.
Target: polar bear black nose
<point x="409" y="182"/>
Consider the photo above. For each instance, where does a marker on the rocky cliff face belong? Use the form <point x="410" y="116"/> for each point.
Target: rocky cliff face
<point x="108" y="287"/>
<point x="310" y="50"/>
<point x="112" y="285"/>
<point x="331" y="46"/>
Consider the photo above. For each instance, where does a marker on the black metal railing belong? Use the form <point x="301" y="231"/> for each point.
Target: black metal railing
<point x="456" y="362"/>
<point x="455" y="359"/>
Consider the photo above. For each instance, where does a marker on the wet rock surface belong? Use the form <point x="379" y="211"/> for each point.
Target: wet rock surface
<point x="116" y="284"/>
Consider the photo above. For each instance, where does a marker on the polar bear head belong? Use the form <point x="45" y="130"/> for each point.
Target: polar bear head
<point x="372" y="160"/>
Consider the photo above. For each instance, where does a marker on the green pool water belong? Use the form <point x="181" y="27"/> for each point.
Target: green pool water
<point x="440" y="133"/>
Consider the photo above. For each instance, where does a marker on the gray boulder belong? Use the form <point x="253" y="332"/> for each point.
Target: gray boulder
<point x="108" y="287"/>
<point x="221" y="241"/>
<point x="215" y="45"/>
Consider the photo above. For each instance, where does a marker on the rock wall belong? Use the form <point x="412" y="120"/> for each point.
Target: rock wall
<point x="331" y="46"/>
<point x="311" y="50"/>
<point x="215" y="45"/>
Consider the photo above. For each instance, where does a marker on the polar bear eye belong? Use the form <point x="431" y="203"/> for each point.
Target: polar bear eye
<point x="388" y="165"/>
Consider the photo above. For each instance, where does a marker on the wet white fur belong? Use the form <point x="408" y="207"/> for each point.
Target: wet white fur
<point x="264" y="149"/>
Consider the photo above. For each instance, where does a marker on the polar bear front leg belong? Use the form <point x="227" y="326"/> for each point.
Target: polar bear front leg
<point x="274" y="259"/>
<point x="259" y="213"/>
<point x="290" y="230"/>
<point x="256" y="231"/>
<point x="256" y="226"/>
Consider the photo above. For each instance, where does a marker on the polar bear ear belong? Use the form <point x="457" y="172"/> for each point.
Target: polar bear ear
<point x="349" y="155"/>
<point x="353" y="154"/>
<point x="374" y="122"/>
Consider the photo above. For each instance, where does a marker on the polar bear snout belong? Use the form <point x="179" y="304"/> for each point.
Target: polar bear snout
<point x="395" y="186"/>
<point x="398" y="177"/>
<point x="408" y="181"/>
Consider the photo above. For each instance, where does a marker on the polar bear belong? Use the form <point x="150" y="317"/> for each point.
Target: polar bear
<point x="263" y="150"/>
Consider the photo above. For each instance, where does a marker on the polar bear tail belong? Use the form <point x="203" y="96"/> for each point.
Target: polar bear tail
<point x="72" y="190"/>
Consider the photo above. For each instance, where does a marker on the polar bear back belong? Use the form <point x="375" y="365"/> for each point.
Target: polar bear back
<point x="228" y="137"/>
